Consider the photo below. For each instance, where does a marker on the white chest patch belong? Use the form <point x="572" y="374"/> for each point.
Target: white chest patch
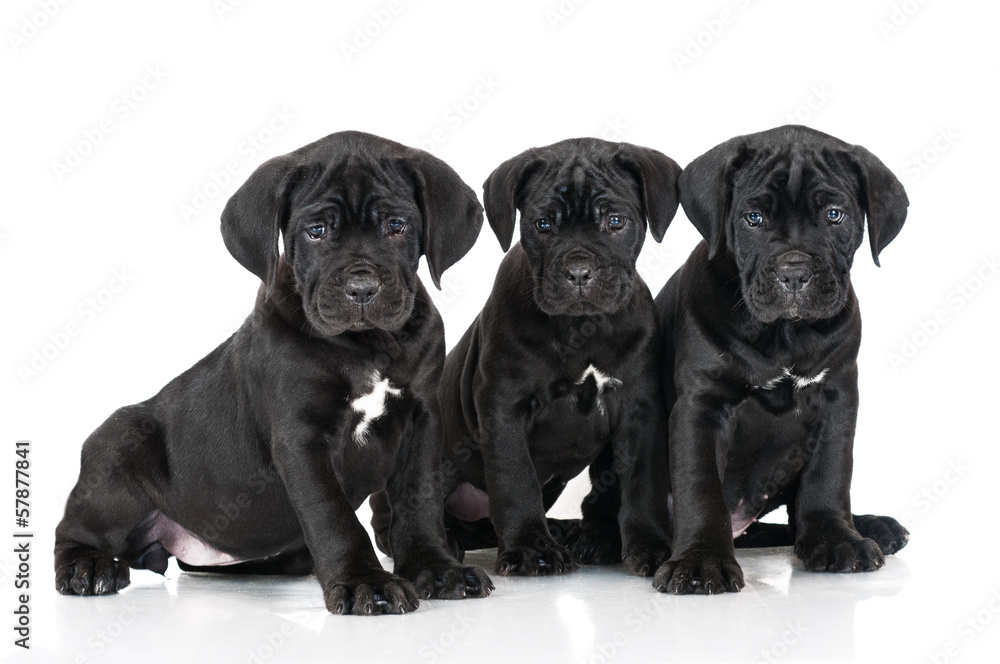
<point x="373" y="405"/>
<point x="602" y="380"/>
<point x="800" y="382"/>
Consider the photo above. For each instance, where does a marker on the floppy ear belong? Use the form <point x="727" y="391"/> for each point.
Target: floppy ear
<point x="705" y="188"/>
<point x="657" y="175"/>
<point x="255" y="216"/>
<point x="503" y="190"/>
<point x="452" y="214"/>
<point x="884" y="199"/>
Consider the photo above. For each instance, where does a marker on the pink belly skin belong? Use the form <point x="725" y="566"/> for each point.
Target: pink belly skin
<point x="468" y="503"/>
<point x="186" y="547"/>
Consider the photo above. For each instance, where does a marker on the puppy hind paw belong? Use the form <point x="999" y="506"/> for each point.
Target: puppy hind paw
<point x="91" y="574"/>
<point x="597" y="544"/>
<point x="646" y="559"/>
<point x="889" y="534"/>
<point x="841" y="555"/>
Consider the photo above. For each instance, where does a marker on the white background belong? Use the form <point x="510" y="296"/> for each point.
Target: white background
<point x="910" y="81"/>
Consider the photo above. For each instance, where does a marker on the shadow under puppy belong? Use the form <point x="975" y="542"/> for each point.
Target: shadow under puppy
<point x="561" y="365"/>
<point x="761" y="330"/>
<point x="255" y="459"/>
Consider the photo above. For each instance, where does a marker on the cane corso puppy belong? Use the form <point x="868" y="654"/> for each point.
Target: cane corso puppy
<point x="255" y="459"/>
<point x="561" y="365"/>
<point x="761" y="331"/>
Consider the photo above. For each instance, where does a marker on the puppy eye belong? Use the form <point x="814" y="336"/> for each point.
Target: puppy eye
<point x="835" y="216"/>
<point x="617" y="222"/>
<point x="316" y="231"/>
<point x="396" y="226"/>
<point x="543" y="225"/>
<point x="753" y="219"/>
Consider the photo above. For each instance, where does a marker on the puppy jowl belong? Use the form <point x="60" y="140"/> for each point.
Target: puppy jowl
<point x="339" y="360"/>
<point x="762" y="330"/>
<point x="586" y="395"/>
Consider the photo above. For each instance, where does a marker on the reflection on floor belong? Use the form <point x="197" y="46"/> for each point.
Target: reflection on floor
<point x="595" y="615"/>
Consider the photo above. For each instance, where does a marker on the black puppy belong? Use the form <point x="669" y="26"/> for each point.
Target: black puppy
<point x="256" y="458"/>
<point x="560" y="367"/>
<point x="761" y="332"/>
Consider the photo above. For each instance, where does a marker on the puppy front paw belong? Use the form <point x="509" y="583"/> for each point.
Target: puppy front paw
<point x="540" y="556"/>
<point x="90" y="573"/>
<point x="447" y="579"/>
<point x="699" y="572"/>
<point x="889" y="534"/>
<point x="371" y="593"/>
<point x="597" y="542"/>
<point x="839" y="554"/>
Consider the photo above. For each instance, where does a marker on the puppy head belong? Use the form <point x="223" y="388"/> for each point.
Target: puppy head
<point x="584" y="206"/>
<point x="355" y="213"/>
<point x="788" y="205"/>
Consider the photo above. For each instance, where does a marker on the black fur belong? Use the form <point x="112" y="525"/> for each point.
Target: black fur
<point x="255" y="450"/>
<point x="522" y="415"/>
<point x="761" y="332"/>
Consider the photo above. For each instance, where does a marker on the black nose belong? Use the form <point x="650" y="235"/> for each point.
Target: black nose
<point x="578" y="275"/>
<point x="794" y="271"/>
<point x="361" y="285"/>
<point x="578" y="271"/>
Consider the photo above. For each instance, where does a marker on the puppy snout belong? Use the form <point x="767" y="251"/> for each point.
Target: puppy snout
<point x="578" y="270"/>
<point x="362" y="284"/>
<point x="794" y="271"/>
